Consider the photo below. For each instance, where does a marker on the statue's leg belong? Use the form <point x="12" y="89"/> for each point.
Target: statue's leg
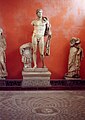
<point x="41" y="49"/>
<point x="34" y="43"/>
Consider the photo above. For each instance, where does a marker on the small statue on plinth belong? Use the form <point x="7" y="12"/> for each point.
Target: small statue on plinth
<point x="3" y="71"/>
<point x="26" y="52"/>
<point x="75" y="57"/>
<point x="41" y="29"/>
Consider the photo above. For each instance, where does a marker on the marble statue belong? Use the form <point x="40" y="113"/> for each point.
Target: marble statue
<point x="32" y="74"/>
<point x="75" y="57"/>
<point x="26" y="52"/>
<point x="41" y="29"/>
<point x="3" y="71"/>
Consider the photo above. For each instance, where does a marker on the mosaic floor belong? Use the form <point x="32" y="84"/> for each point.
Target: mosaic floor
<point x="42" y="105"/>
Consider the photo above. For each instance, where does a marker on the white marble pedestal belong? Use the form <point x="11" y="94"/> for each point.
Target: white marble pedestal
<point x="36" y="77"/>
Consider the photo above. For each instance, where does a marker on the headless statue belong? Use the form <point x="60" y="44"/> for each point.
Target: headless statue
<point x="75" y="57"/>
<point x="3" y="71"/>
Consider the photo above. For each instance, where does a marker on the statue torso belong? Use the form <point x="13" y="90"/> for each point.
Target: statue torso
<point x="39" y="27"/>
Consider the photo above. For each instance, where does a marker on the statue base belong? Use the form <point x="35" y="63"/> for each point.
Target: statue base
<point x="3" y="75"/>
<point x="69" y="78"/>
<point x="36" y="77"/>
<point x="2" y="78"/>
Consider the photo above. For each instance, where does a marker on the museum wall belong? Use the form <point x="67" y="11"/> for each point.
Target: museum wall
<point x="67" y="18"/>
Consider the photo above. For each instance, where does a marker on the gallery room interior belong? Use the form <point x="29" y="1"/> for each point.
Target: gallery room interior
<point x="42" y="75"/>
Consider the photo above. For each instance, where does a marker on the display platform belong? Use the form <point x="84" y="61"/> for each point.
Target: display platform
<point x="38" y="77"/>
<point x="58" y="84"/>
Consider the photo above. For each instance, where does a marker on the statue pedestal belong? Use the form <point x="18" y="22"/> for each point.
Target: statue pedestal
<point x="3" y="75"/>
<point x="68" y="78"/>
<point x="36" y="77"/>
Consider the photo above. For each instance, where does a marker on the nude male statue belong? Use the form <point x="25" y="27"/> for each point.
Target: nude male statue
<point x="41" y="26"/>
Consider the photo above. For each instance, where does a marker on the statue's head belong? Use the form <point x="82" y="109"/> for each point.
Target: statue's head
<point x="1" y="31"/>
<point x="39" y="12"/>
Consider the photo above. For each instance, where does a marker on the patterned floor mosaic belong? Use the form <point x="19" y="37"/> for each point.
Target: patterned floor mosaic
<point x="42" y="105"/>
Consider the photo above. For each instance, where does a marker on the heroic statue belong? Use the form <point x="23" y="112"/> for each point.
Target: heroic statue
<point x="3" y="71"/>
<point x="75" y="57"/>
<point x="26" y="52"/>
<point x="41" y="29"/>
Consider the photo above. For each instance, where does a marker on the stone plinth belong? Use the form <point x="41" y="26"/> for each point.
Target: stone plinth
<point x="36" y="77"/>
<point x="69" y="78"/>
<point x="3" y="75"/>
